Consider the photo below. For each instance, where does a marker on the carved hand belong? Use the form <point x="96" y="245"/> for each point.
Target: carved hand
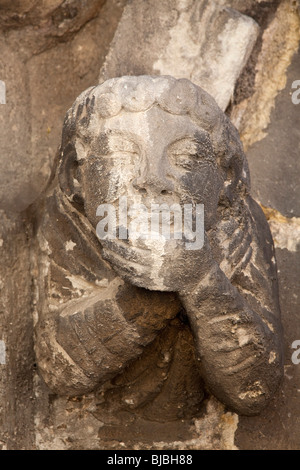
<point x="238" y="346"/>
<point x="99" y="335"/>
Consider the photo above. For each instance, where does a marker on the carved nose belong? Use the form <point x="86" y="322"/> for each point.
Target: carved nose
<point x="152" y="184"/>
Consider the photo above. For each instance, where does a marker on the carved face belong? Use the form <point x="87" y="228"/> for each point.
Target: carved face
<point x="151" y="157"/>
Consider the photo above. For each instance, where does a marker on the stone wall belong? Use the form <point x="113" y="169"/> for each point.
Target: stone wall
<point x="50" y="52"/>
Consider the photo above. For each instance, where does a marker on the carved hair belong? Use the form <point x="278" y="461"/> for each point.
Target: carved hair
<point x="174" y="96"/>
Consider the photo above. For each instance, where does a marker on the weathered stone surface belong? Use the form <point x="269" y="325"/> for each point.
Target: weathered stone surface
<point x="205" y="42"/>
<point x="270" y="169"/>
<point x="86" y="421"/>
<point x="17" y="364"/>
<point x="49" y="18"/>
<point x="285" y="230"/>
<point x="176" y="147"/>
<point x="38" y="92"/>
<point x="270" y="130"/>
<point x="15" y="143"/>
<point x="273" y="54"/>
<point x="121" y="429"/>
<point x="278" y="427"/>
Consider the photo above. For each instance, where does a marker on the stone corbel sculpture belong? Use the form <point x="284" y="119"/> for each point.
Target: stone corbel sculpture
<point x="100" y="303"/>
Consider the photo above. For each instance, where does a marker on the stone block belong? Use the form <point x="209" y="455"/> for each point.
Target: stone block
<point x="206" y="42"/>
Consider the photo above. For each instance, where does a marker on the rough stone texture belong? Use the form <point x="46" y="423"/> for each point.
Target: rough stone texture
<point x="274" y="164"/>
<point x="48" y="21"/>
<point x="278" y="43"/>
<point x="70" y="423"/>
<point x="278" y="428"/>
<point x="15" y="138"/>
<point x="16" y="371"/>
<point x="206" y="42"/>
<point x="66" y="419"/>
<point x="285" y="230"/>
<point x="176" y="147"/>
<point x="268" y="169"/>
<point x="38" y="92"/>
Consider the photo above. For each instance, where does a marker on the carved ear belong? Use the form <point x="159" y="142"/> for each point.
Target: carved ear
<point x="69" y="175"/>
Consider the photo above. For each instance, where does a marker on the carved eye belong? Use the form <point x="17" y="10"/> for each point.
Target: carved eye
<point x="183" y="153"/>
<point x="122" y="147"/>
<point x="123" y="154"/>
<point x="184" y="161"/>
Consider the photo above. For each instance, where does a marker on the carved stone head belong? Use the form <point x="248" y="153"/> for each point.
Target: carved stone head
<point x="156" y="142"/>
<point x="152" y="140"/>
